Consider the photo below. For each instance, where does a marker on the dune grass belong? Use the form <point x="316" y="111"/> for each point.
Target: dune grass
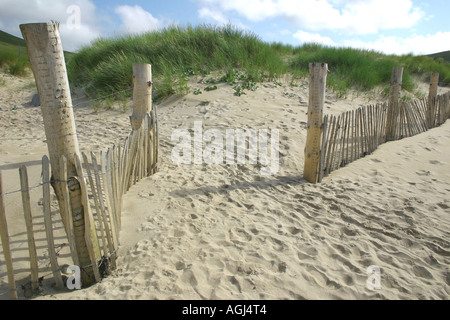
<point x="175" y="53"/>
<point x="179" y="52"/>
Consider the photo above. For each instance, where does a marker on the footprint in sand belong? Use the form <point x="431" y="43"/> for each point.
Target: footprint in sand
<point x="422" y="272"/>
<point x="437" y="162"/>
<point x="423" y="173"/>
<point x="293" y="230"/>
<point x="307" y="253"/>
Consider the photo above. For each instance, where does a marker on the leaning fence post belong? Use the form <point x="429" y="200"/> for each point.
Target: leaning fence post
<point x="142" y="93"/>
<point x="393" y="106"/>
<point x="318" y="80"/>
<point x="432" y="95"/>
<point x="48" y="64"/>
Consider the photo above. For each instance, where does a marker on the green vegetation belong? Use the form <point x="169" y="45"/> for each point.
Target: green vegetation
<point x="11" y="61"/>
<point x="221" y="55"/>
<point x="13" y="55"/>
<point x="365" y="70"/>
<point x="175" y="53"/>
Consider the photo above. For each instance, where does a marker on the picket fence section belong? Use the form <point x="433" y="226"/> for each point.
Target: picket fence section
<point x="357" y="133"/>
<point x="104" y="179"/>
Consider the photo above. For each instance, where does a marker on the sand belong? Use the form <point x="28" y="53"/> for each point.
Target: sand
<point x="198" y="231"/>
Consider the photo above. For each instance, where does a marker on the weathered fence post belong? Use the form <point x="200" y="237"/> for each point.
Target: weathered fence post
<point x="393" y="106"/>
<point x="318" y="80"/>
<point x="142" y="93"/>
<point x="49" y="68"/>
<point x="432" y="95"/>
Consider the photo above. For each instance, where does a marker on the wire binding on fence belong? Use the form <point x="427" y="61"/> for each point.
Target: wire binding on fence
<point x="100" y="262"/>
<point x="51" y="182"/>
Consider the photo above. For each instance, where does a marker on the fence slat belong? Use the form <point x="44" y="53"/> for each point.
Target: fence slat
<point x="335" y="142"/>
<point x="88" y="220"/>
<point x="352" y="134"/>
<point x="371" y="128"/>
<point x="104" y="218"/>
<point x="376" y="123"/>
<point x="123" y="165"/>
<point x="357" y="134"/>
<point x="345" y="140"/>
<point x="48" y="222"/>
<point x="410" y="125"/>
<point x="156" y="138"/>
<point x="118" y="195"/>
<point x="34" y="269"/>
<point x="323" y="148"/>
<point x="95" y="196"/>
<point x="113" y="197"/>
<point x="4" y="236"/>
<point x="109" y="213"/>
<point x="151" y="140"/>
<point x="146" y="141"/>
<point x="106" y="237"/>
<point x="69" y="221"/>
<point x="330" y="143"/>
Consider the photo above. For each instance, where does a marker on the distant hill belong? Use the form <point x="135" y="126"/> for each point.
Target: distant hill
<point x="7" y="38"/>
<point x="444" y="55"/>
<point x="12" y="47"/>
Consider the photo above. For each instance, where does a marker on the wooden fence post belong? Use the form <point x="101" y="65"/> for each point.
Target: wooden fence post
<point x="142" y="93"/>
<point x="393" y="106"/>
<point x="432" y="95"/>
<point x="4" y="236"/>
<point x="318" y="80"/>
<point x="48" y="64"/>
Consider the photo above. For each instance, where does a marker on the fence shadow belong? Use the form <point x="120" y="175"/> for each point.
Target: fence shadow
<point x="13" y="166"/>
<point x="242" y="185"/>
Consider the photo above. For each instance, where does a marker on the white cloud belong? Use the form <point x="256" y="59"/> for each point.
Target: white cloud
<point x="364" y="17"/>
<point x="211" y="14"/>
<point x="307" y="37"/>
<point x="416" y="44"/>
<point x="12" y="14"/>
<point x="349" y="17"/>
<point x="136" y="20"/>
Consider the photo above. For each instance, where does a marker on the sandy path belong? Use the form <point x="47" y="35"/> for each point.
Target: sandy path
<point x="226" y="232"/>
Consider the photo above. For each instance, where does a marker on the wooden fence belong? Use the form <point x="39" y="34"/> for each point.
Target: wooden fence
<point x="104" y="178"/>
<point x="88" y="187"/>
<point x="345" y="138"/>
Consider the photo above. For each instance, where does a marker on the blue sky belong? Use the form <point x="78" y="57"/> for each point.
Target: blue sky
<point x="390" y="26"/>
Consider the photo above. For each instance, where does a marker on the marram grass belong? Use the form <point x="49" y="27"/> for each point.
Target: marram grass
<point x="175" y="53"/>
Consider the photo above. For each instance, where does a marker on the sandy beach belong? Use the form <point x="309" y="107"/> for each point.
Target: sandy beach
<point x="223" y="231"/>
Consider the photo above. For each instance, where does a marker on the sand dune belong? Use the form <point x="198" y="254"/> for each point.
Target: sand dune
<point x="227" y="232"/>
